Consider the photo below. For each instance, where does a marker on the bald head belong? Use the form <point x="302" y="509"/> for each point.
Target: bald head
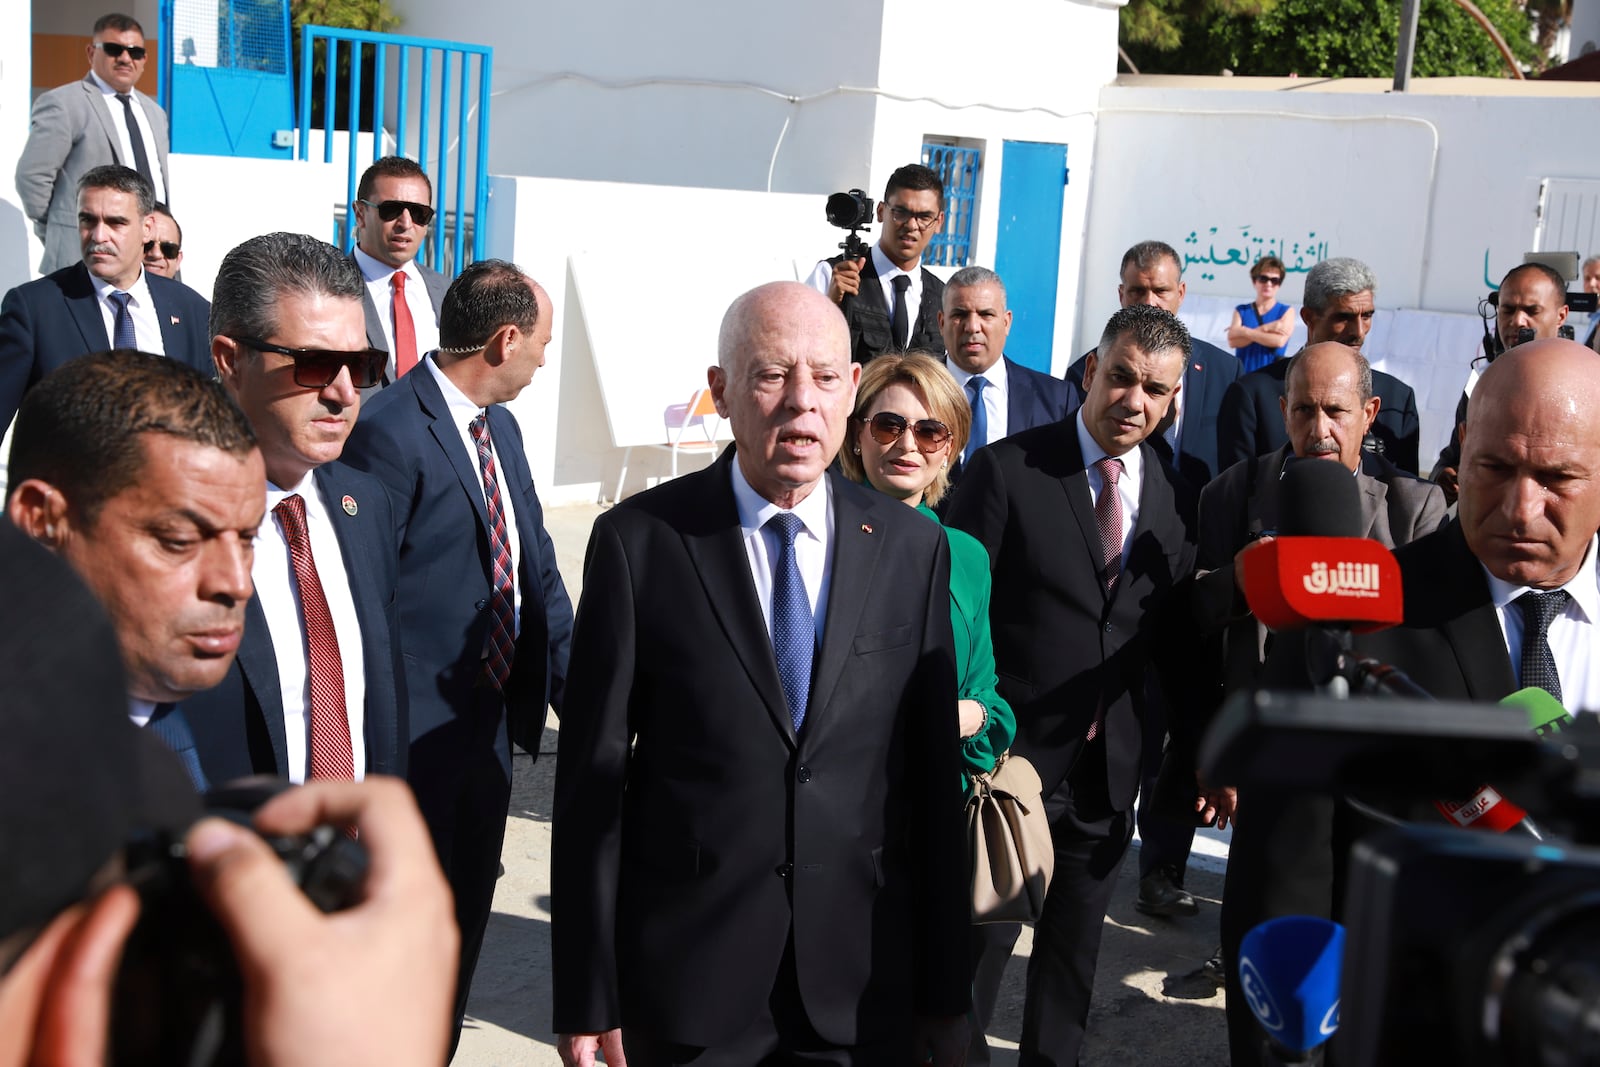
<point x="785" y="383"/>
<point x="1530" y="463"/>
<point x="1328" y="405"/>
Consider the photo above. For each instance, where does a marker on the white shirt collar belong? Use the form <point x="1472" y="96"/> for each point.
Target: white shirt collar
<point x="995" y="375"/>
<point x="139" y="290"/>
<point x="105" y="86"/>
<point x="1581" y="586"/>
<point x="756" y="510"/>
<point x="1132" y="460"/>
<point x="376" y="270"/>
<point x="886" y="268"/>
<point x="462" y="409"/>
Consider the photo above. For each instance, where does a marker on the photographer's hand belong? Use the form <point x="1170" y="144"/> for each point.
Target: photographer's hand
<point x="846" y="279"/>
<point x="371" y="985"/>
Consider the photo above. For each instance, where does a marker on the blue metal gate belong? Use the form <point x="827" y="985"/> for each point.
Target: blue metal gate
<point x="224" y="77"/>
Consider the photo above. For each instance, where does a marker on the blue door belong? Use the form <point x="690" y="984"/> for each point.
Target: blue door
<point x="1027" y="253"/>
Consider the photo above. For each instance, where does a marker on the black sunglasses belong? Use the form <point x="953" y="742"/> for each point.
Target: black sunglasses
<point x="169" y="249"/>
<point x="389" y="210"/>
<point x="115" y="50"/>
<point x="886" y="428"/>
<point x="316" y="368"/>
<point x="1270" y="279"/>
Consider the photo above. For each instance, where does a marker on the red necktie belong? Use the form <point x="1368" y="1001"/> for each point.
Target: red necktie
<point x="502" y="645"/>
<point x="405" y="330"/>
<point x="330" y="729"/>
<point x="1108" y="520"/>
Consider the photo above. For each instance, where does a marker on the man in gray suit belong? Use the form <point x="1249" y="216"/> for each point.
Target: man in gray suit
<point x="393" y="211"/>
<point x="75" y="128"/>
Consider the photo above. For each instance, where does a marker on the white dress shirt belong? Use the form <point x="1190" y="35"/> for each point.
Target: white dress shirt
<point x="141" y="711"/>
<point x="822" y="277"/>
<point x="423" y="319"/>
<point x="280" y="600"/>
<point x="124" y="135"/>
<point x="462" y="412"/>
<point x="146" y="324"/>
<point x="1127" y="485"/>
<point x="995" y="394"/>
<point x="1573" y="636"/>
<point x="811" y="545"/>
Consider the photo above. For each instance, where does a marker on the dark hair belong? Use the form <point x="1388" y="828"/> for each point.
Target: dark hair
<point x="158" y="208"/>
<point x="257" y="273"/>
<point x="79" y="428"/>
<point x="1266" y="263"/>
<point x="391" y="167"/>
<point x="915" y="176"/>
<point x="485" y="296"/>
<point x="1551" y="275"/>
<point x="123" y="180"/>
<point x="119" y="23"/>
<point x="1151" y="328"/>
<point x="1146" y="254"/>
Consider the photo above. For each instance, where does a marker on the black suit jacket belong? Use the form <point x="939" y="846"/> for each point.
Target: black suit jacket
<point x="1062" y="647"/>
<point x="695" y="835"/>
<point x="406" y="439"/>
<point x="52" y="320"/>
<point x="239" y="727"/>
<point x="1251" y="421"/>
<point x="1205" y="381"/>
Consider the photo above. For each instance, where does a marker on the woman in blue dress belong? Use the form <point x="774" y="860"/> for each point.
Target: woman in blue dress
<point x="1260" y="330"/>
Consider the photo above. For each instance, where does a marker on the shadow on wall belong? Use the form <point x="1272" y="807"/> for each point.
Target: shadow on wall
<point x="16" y="248"/>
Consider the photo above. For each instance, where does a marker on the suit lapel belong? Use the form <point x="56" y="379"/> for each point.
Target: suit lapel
<point x="369" y="311"/>
<point x="259" y="665"/>
<point x="431" y="399"/>
<point x="1374" y="495"/>
<point x="718" y="553"/>
<point x="85" y="311"/>
<point x="1020" y="398"/>
<point x="1473" y="627"/>
<point x="515" y="477"/>
<point x="855" y="555"/>
<point x="97" y="108"/>
<point x="1075" y="484"/>
<point x="173" y="329"/>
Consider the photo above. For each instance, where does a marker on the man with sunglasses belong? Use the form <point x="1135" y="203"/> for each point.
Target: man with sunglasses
<point x="163" y="252"/>
<point x="90" y="123"/>
<point x="402" y="297"/>
<point x="108" y="300"/>
<point x="316" y="690"/>
<point x="889" y="299"/>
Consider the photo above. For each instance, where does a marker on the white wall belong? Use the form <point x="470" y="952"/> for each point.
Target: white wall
<point x="19" y="249"/>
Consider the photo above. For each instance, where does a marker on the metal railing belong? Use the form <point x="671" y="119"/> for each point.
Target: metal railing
<point x="958" y="168"/>
<point x="417" y="101"/>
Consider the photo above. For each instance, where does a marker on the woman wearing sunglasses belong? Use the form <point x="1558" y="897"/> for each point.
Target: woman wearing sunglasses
<point x="910" y="420"/>
<point x="1260" y="330"/>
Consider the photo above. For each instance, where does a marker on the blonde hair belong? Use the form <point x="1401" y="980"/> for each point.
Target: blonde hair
<point x="926" y="376"/>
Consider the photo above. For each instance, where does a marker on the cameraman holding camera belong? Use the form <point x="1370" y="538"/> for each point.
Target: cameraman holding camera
<point x="368" y="985"/>
<point x="890" y="301"/>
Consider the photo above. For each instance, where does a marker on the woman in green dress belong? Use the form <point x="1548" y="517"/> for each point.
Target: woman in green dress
<point x="910" y="420"/>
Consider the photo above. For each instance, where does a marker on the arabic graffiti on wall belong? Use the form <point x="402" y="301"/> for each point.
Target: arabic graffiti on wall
<point x="1243" y="248"/>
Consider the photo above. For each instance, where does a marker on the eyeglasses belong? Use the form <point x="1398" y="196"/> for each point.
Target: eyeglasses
<point x="923" y="219"/>
<point x="1269" y="279"/>
<point x="316" y="368"/>
<point x="169" y="249"/>
<point x="115" y="50"/>
<point x="389" y="210"/>
<point x="886" y="428"/>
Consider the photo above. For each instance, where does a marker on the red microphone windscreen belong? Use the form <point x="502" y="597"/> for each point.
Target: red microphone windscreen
<point x="1294" y="582"/>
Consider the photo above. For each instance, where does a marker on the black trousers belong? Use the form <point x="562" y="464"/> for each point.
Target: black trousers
<point x="1090" y="839"/>
<point x="1163" y="840"/>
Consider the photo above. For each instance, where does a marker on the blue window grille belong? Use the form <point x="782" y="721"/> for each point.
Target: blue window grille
<point x="434" y="81"/>
<point x="958" y="168"/>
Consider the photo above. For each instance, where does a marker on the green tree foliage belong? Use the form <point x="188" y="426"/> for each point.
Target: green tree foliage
<point x="1325" y="39"/>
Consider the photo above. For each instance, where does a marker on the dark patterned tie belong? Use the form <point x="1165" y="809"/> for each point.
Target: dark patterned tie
<point x="1108" y="519"/>
<point x="122" y="332"/>
<point x="902" y="318"/>
<point x="980" y="416"/>
<point x="794" y="632"/>
<point x="141" y="158"/>
<point x="330" y="729"/>
<point x="502" y="643"/>
<point x="1538" y="664"/>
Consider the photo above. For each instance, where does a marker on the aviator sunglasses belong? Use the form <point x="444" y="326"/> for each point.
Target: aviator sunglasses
<point x="886" y="428"/>
<point x="316" y="368"/>
<point x="169" y="249"/>
<point x="115" y="50"/>
<point x="389" y="210"/>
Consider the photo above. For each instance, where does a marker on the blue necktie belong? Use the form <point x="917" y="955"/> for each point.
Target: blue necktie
<point x="794" y="634"/>
<point x="168" y="723"/>
<point x="122" y="335"/>
<point x="980" y="417"/>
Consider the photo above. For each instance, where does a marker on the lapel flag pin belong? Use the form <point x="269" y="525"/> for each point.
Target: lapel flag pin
<point x="349" y="504"/>
<point x="174" y="320"/>
<point x="866" y="527"/>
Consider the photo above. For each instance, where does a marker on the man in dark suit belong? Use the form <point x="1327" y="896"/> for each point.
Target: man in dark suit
<point x="1088" y="533"/>
<point x="100" y="120"/>
<point x="757" y="852"/>
<point x="1338" y="307"/>
<point x="1528" y="509"/>
<point x="889" y="299"/>
<point x="108" y="300"/>
<point x="394" y="208"/>
<point x="471" y="535"/>
<point x="1006" y="397"/>
<point x="315" y="691"/>
<point x="113" y="451"/>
